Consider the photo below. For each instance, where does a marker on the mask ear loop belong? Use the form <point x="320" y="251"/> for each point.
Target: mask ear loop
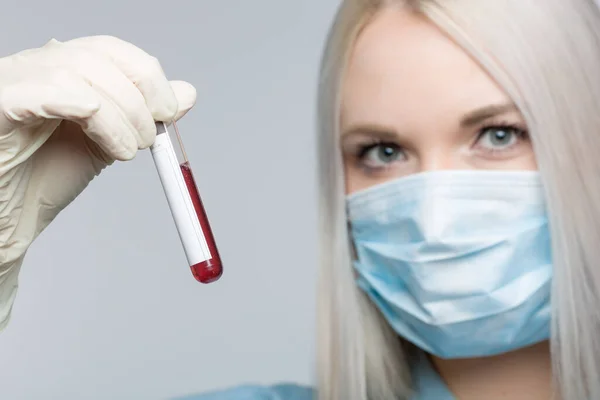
<point x="353" y="251"/>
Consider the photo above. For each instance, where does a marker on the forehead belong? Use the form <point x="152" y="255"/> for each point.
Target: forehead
<point x="402" y="63"/>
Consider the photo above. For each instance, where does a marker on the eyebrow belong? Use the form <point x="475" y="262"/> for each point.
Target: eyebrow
<point x="478" y="116"/>
<point x="380" y="131"/>
<point x="470" y="119"/>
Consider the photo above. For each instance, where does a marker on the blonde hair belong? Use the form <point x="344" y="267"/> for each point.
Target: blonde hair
<point x="546" y="56"/>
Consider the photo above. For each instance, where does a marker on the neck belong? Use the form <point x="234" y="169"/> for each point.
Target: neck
<point x="524" y="374"/>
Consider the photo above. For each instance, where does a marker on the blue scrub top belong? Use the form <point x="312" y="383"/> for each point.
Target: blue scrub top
<point x="427" y="384"/>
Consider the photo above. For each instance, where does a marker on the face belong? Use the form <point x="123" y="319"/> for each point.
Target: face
<point x="413" y="101"/>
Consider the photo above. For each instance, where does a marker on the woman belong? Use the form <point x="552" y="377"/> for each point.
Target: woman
<point x="430" y="115"/>
<point x="458" y="162"/>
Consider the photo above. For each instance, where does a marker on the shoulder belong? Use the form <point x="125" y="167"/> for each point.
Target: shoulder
<point x="284" y="391"/>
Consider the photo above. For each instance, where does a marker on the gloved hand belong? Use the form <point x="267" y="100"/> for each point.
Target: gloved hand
<point x="68" y="110"/>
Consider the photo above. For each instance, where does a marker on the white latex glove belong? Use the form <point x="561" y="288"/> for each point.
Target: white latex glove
<point x="67" y="110"/>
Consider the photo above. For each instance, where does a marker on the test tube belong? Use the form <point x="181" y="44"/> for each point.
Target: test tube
<point x="185" y="203"/>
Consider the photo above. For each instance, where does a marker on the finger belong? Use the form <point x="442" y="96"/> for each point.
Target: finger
<point x="37" y="105"/>
<point x="186" y="97"/>
<point x="141" y="68"/>
<point x="56" y="94"/>
<point x="108" y="79"/>
<point x="112" y="130"/>
<point x="51" y="95"/>
<point x="110" y="126"/>
<point x="26" y="102"/>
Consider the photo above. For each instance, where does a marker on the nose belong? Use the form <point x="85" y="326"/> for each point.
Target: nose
<point x="439" y="159"/>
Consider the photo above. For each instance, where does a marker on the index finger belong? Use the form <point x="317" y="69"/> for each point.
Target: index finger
<point x="141" y="68"/>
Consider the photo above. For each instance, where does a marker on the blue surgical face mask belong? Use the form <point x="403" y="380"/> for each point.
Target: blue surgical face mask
<point x="458" y="262"/>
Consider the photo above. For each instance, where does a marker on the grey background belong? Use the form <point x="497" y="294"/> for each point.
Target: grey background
<point x="107" y="307"/>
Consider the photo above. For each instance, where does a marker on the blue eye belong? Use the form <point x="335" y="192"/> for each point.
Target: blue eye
<point x="499" y="138"/>
<point x="380" y="155"/>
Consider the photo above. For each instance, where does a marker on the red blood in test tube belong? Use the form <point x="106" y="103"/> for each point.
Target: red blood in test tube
<point x="210" y="270"/>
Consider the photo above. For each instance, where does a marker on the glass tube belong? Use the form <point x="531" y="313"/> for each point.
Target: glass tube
<point x="186" y="204"/>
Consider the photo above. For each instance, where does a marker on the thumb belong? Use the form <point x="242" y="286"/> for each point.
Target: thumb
<point x="186" y="97"/>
